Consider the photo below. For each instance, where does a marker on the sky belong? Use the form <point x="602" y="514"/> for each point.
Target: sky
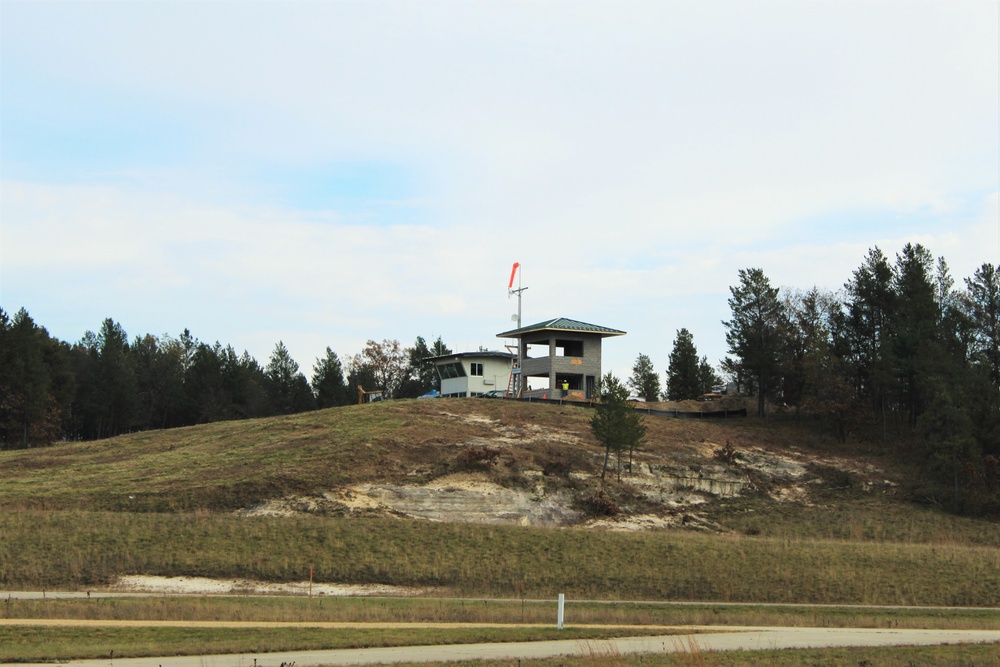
<point x="325" y="173"/>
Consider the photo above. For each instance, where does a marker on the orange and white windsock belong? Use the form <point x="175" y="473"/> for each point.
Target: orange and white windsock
<point x="513" y="271"/>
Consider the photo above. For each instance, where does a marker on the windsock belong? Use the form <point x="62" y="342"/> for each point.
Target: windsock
<point x="513" y="270"/>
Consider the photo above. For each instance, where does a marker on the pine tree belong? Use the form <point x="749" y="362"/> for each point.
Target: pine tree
<point x="116" y="382"/>
<point x="328" y="381"/>
<point x="246" y="387"/>
<point x="288" y="389"/>
<point x="707" y="377"/>
<point x="616" y="424"/>
<point x="683" y="370"/>
<point x="809" y="352"/>
<point x="421" y="375"/>
<point x="36" y="386"/>
<point x="984" y="314"/>
<point x="866" y="333"/>
<point x="917" y="352"/>
<point x="644" y="381"/>
<point x="756" y="334"/>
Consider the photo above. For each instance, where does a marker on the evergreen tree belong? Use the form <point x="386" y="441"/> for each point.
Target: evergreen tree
<point x="615" y="424"/>
<point x="421" y="376"/>
<point x="288" y="389"/>
<point x="248" y="389"/>
<point x="359" y="377"/>
<point x="917" y="353"/>
<point x="684" y="379"/>
<point x="159" y="372"/>
<point x="439" y="349"/>
<point x="866" y="333"/>
<point x="983" y="309"/>
<point x="707" y="377"/>
<point x="116" y="387"/>
<point x="168" y="375"/>
<point x="947" y="443"/>
<point x="36" y="386"/>
<point x="644" y="381"/>
<point x="328" y="381"/>
<point x="756" y="334"/>
<point x="809" y="351"/>
<point x="980" y="317"/>
<point x="204" y="386"/>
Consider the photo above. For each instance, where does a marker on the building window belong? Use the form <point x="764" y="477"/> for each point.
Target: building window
<point x="569" y="348"/>
<point x="476" y="369"/>
<point x="449" y="371"/>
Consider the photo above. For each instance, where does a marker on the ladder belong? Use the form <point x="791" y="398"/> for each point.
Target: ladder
<point x="512" y="383"/>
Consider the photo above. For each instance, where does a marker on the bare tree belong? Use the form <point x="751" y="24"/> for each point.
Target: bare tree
<point x="386" y="363"/>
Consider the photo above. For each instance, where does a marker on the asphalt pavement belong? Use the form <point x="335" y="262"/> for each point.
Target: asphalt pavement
<point x="734" y="638"/>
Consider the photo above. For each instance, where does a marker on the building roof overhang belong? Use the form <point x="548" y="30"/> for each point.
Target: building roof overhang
<point x="485" y="354"/>
<point x="562" y="324"/>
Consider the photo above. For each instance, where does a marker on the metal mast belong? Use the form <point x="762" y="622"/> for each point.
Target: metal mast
<point x="515" y="377"/>
<point x="517" y="291"/>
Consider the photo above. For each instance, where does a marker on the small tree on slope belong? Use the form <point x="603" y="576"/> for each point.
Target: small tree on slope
<point x="616" y="424"/>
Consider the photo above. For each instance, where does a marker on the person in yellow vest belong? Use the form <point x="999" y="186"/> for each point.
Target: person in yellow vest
<point x="565" y="386"/>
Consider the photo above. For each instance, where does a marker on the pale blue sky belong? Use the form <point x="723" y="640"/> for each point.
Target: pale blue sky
<point x="326" y="172"/>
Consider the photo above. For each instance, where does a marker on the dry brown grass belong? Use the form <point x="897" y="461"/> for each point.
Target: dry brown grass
<point x="235" y="464"/>
<point x="600" y="654"/>
<point x="45" y="550"/>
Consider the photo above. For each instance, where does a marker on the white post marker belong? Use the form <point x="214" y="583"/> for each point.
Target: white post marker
<point x="562" y="609"/>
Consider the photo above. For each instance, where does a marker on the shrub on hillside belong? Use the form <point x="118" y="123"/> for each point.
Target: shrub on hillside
<point x="727" y="454"/>
<point x="477" y="458"/>
<point x="602" y="504"/>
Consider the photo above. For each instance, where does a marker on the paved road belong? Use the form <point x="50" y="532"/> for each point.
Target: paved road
<point x="738" y="638"/>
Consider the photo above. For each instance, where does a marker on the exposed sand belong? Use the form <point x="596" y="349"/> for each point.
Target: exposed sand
<point x="203" y="586"/>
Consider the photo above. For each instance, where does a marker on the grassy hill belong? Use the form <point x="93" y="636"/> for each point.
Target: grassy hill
<point x="743" y="509"/>
<point x="229" y="465"/>
<point x="741" y="474"/>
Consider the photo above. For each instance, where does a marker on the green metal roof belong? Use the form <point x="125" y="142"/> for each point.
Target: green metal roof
<point x="561" y="324"/>
<point x="483" y="354"/>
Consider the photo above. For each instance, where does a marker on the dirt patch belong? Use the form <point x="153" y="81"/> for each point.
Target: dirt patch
<point x="461" y="497"/>
<point x="643" y="522"/>
<point x="544" y="467"/>
<point x="204" y="586"/>
<point x="669" y="490"/>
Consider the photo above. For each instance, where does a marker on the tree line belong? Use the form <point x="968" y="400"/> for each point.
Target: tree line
<point x="899" y="356"/>
<point x="105" y="384"/>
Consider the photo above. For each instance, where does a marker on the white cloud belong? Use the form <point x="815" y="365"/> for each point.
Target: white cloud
<point x="633" y="157"/>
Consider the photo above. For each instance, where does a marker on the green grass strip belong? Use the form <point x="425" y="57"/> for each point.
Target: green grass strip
<point x="421" y="610"/>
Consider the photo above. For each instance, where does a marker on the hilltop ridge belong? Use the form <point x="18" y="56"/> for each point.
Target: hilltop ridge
<point x="488" y="461"/>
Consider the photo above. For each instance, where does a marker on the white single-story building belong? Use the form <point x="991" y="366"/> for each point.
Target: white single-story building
<point x="468" y="374"/>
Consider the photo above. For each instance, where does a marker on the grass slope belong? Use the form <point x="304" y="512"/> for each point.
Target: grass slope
<point x="80" y="514"/>
<point x="63" y="549"/>
<point x="234" y="464"/>
<point x="229" y="465"/>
